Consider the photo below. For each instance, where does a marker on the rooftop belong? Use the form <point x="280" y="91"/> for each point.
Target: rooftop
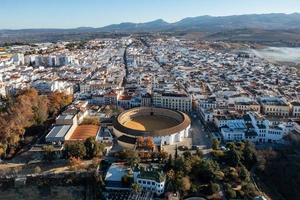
<point x="295" y="103"/>
<point x="116" y="171"/>
<point x="58" y="131"/>
<point x="83" y="132"/>
<point x="104" y="132"/>
<point x="65" y="117"/>
<point x="152" y="174"/>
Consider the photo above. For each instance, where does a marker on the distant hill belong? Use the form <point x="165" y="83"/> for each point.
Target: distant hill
<point x="254" y="27"/>
<point x="157" y="25"/>
<point x="210" y="23"/>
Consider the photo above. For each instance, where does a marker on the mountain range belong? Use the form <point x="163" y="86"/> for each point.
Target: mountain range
<point x="211" y="24"/>
<point x="213" y="27"/>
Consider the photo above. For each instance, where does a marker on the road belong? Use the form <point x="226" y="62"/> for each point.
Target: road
<point x="200" y="135"/>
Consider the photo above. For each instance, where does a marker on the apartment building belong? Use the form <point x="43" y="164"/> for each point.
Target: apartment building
<point x="295" y="109"/>
<point x="274" y="106"/>
<point x="253" y="128"/>
<point x="247" y="106"/>
<point x="181" y="102"/>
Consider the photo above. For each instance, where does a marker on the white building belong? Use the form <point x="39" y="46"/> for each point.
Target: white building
<point x="19" y="59"/>
<point x="274" y="106"/>
<point x="253" y="128"/>
<point x="295" y="107"/>
<point x="104" y="135"/>
<point x="52" y="86"/>
<point x="173" y="101"/>
<point x="247" y="106"/>
<point x="64" y="127"/>
<point x="151" y="180"/>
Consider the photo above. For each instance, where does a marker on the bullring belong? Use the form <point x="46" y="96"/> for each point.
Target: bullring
<point x="165" y="126"/>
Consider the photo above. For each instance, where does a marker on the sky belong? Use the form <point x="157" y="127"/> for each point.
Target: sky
<point x="19" y="14"/>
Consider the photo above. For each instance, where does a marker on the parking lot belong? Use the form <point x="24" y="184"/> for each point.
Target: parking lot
<point x="199" y="135"/>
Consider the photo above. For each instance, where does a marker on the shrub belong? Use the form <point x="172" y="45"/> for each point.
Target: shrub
<point x="127" y="180"/>
<point x="231" y="194"/>
<point x="215" y="144"/>
<point x="75" y="149"/>
<point x="48" y="153"/>
<point x="93" y="148"/>
<point x="91" y="121"/>
<point x="37" y="170"/>
<point x="75" y="163"/>
<point x="199" y="153"/>
<point x="214" y="187"/>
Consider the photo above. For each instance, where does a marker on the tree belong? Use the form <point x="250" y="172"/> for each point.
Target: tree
<point x="176" y="152"/>
<point x="233" y="157"/>
<point x="41" y="110"/>
<point x="58" y="100"/>
<point x="187" y="166"/>
<point x="171" y="174"/>
<point x="231" y="194"/>
<point x="39" y="105"/>
<point x="127" y="180"/>
<point x="187" y="154"/>
<point x="108" y="111"/>
<point x="3" y="148"/>
<point x="171" y="179"/>
<point x="230" y="145"/>
<point x="194" y="188"/>
<point x="244" y="174"/>
<point x="215" y="144"/>
<point x="199" y="153"/>
<point x="214" y="187"/>
<point x="75" y="163"/>
<point x="149" y="143"/>
<point x="205" y="170"/>
<point x="231" y="174"/>
<point x="22" y="113"/>
<point x="219" y="175"/>
<point x="170" y="163"/>
<point x="136" y="187"/>
<point x="249" y="155"/>
<point x="91" y="121"/>
<point x="25" y="109"/>
<point x="250" y="190"/>
<point x="48" y="153"/>
<point x="186" y="184"/>
<point x="140" y="141"/>
<point x="134" y="160"/>
<point x="37" y="170"/>
<point x="55" y="100"/>
<point x="75" y="149"/>
<point x="132" y="157"/>
<point x="93" y="148"/>
<point x="163" y="155"/>
<point x="179" y="164"/>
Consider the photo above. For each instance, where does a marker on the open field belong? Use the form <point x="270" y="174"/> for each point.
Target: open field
<point x="150" y="123"/>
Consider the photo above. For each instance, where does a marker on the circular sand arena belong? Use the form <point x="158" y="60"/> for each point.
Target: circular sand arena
<point x="159" y="123"/>
<point x="150" y="122"/>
